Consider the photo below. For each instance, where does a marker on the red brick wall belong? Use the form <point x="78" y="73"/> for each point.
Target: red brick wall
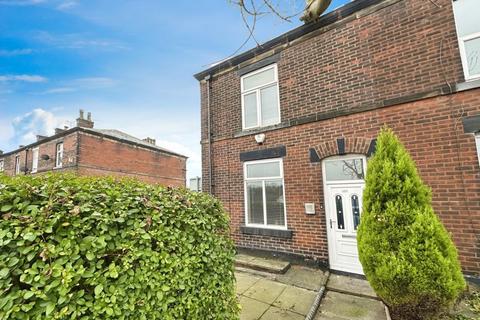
<point x="47" y="148"/>
<point x="405" y="48"/>
<point x="432" y="132"/>
<point x="103" y="156"/>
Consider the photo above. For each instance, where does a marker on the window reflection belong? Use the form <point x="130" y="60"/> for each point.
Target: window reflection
<point x="340" y="220"/>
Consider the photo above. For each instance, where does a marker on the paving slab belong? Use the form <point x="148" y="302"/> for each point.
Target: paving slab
<point x="274" y="313"/>
<point x="265" y="290"/>
<point x="262" y="264"/>
<point x="252" y="309"/>
<point x="303" y="277"/>
<point x="340" y="306"/>
<point x="296" y="299"/>
<point x="355" y="286"/>
<point x="245" y="281"/>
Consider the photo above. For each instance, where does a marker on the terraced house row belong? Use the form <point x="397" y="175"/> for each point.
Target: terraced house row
<point x="86" y="150"/>
<point x="288" y="127"/>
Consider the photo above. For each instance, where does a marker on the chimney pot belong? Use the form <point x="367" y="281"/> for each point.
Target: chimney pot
<point x="85" y="123"/>
<point x="150" y="141"/>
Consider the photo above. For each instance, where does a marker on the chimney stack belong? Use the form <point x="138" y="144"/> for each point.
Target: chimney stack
<point x="40" y="137"/>
<point x="85" y="123"/>
<point x="150" y="141"/>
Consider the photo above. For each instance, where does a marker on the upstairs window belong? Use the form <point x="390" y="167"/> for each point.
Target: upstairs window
<point x="468" y="30"/>
<point x="260" y="102"/>
<point x="34" y="160"/>
<point x="59" y="155"/>
<point x="2" y="168"/>
<point x="264" y="194"/>
<point x="17" y="164"/>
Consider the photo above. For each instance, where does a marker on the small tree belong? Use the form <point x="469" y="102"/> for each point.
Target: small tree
<point x="407" y="255"/>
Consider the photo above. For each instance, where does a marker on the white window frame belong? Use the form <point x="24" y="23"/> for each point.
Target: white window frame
<point x="477" y="142"/>
<point x="258" y="96"/>
<point x="57" y="152"/>
<point x="245" y="180"/>
<point x="463" y="54"/>
<point x="17" y="164"/>
<point x="35" y="159"/>
<point x="340" y="158"/>
<point x="2" y="165"/>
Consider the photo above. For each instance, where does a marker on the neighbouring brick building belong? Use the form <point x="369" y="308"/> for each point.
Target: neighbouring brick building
<point x="86" y="150"/>
<point x="287" y="127"/>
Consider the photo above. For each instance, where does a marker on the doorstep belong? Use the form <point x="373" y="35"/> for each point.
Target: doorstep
<point x="276" y="266"/>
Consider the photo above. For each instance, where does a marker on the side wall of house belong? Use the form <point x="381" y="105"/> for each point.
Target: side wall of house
<point x="103" y="156"/>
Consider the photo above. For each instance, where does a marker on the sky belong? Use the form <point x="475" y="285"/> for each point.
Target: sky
<point x="129" y="63"/>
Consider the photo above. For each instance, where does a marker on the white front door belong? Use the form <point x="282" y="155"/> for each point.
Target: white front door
<point x="344" y="183"/>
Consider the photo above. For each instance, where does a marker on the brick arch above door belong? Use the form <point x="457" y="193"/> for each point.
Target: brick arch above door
<point x="342" y="146"/>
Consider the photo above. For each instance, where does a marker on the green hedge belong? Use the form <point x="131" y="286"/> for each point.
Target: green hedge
<point x="97" y="248"/>
<point x="406" y="252"/>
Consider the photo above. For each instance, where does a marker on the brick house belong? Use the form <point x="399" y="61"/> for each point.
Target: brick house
<point x="287" y="127"/>
<point x="90" y="151"/>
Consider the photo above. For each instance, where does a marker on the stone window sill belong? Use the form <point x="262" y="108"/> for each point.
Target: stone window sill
<point x="285" y="234"/>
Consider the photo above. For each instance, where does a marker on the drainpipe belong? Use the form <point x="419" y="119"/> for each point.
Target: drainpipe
<point x="26" y="161"/>
<point x="209" y="132"/>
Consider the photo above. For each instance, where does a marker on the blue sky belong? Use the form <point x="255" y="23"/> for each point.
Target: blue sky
<point x="130" y="63"/>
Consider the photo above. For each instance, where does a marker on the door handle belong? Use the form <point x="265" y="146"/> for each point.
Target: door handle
<point x="331" y="223"/>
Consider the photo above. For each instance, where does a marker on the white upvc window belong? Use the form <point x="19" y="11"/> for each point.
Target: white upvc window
<point x="17" y="164"/>
<point x="260" y="98"/>
<point x="35" y="160"/>
<point x="59" y="155"/>
<point x="265" y="194"/>
<point x="2" y="166"/>
<point x="477" y="140"/>
<point x="468" y="30"/>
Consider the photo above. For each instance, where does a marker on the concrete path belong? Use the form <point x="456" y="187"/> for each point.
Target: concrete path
<point x="278" y="297"/>
<point x="289" y="296"/>
<point x="350" y="298"/>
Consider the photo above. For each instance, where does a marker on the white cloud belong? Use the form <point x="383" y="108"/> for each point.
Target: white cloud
<point x="6" y="132"/>
<point x="16" y="52"/>
<point x="58" y="90"/>
<point x="81" y="84"/>
<point x="95" y="82"/>
<point x="21" y="2"/>
<point x="77" y="41"/>
<point x="66" y="5"/>
<point x="22" y="78"/>
<point x="36" y="122"/>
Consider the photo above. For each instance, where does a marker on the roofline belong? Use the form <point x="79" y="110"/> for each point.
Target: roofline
<point x="93" y="132"/>
<point x="327" y="19"/>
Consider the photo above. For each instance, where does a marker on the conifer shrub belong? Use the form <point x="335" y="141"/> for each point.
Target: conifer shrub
<point x="407" y="255"/>
<point x="97" y="248"/>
